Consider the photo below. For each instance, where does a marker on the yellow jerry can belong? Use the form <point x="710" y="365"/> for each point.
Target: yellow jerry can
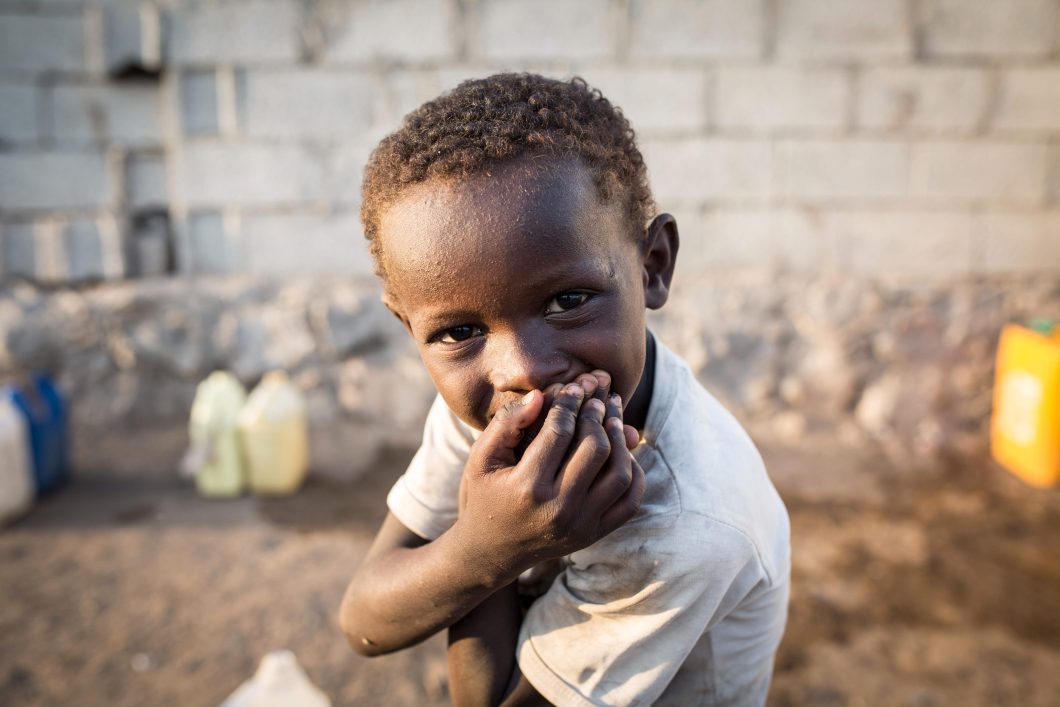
<point x="215" y="457"/>
<point x="1025" y="426"/>
<point x="275" y="435"/>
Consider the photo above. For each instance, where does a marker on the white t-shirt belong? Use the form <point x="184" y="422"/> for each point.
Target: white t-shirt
<point x="683" y="605"/>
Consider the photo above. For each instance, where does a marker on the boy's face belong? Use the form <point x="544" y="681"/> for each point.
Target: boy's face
<point x="516" y="279"/>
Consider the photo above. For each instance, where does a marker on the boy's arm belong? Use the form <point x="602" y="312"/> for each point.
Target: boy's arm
<point x="547" y="504"/>
<point x="384" y="607"/>
<point x="483" y="669"/>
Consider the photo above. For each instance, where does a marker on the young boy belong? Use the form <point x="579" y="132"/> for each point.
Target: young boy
<point x="513" y="229"/>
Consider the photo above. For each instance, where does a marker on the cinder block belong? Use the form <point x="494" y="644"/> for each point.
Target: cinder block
<point x="233" y="32"/>
<point x="779" y="98"/>
<point x="397" y="30"/>
<point x="842" y="170"/>
<point x="306" y="244"/>
<point x="782" y="239"/>
<point x="904" y="245"/>
<point x="55" y="180"/>
<point x="404" y="90"/>
<point x="546" y="29"/>
<point x="999" y="28"/>
<point x="93" y="249"/>
<point x="943" y="98"/>
<point x="307" y="104"/>
<point x="42" y="43"/>
<point x="698" y="29"/>
<point x="151" y="250"/>
<point x="656" y="100"/>
<point x="220" y="174"/>
<point x="694" y="228"/>
<point x="18" y="250"/>
<point x="132" y="38"/>
<point x="128" y="114"/>
<point x="208" y="102"/>
<point x="701" y="170"/>
<point x="18" y="113"/>
<point x="840" y="29"/>
<point x="1029" y="100"/>
<point x="1022" y="242"/>
<point x="344" y="172"/>
<point x="84" y="251"/>
<point x="49" y="251"/>
<point x="145" y="180"/>
<point x="995" y="172"/>
<point x="213" y="243"/>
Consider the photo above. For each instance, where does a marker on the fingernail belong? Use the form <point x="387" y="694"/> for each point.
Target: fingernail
<point x="616" y="399"/>
<point x="528" y="397"/>
<point x="574" y="389"/>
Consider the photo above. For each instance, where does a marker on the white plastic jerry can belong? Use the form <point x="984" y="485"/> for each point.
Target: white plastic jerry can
<point x="16" y="473"/>
<point x="274" y="429"/>
<point x="215" y="457"/>
<point x="279" y="682"/>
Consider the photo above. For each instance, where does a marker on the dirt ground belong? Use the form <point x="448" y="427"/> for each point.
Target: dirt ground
<point x="911" y="587"/>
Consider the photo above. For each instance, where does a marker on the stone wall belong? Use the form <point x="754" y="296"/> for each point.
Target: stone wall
<point x="179" y="187"/>
<point x="912" y="139"/>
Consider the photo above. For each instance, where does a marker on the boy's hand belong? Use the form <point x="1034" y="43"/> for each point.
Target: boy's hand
<point x="575" y="482"/>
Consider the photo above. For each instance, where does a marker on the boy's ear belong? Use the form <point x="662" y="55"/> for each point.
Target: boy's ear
<point x="659" y="256"/>
<point x="392" y="305"/>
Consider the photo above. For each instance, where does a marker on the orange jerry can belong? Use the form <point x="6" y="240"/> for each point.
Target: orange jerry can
<point x="1025" y="426"/>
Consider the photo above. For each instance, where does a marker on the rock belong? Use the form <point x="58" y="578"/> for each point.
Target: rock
<point x="875" y="411"/>
<point x="351" y="324"/>
<point x="270" y="337"/>
<point x="394" y="394"/>
<point x="789" y="425"/>
<point x="828" y="378"/>
<point x="790" y="354"/>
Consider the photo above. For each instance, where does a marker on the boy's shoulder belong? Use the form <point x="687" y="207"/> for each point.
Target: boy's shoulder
<point x="704" y="465"/>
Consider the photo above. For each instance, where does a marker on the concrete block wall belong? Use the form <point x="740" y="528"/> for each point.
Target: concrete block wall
<point x="906" y="140"/>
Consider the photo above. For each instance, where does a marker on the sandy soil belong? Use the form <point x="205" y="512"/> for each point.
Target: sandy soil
<point x="912" y="587"/>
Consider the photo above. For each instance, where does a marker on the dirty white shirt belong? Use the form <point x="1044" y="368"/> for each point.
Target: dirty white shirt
<point x="683" y="605"/>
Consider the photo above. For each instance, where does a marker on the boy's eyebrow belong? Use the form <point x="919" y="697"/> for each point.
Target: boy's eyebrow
<point x="446" y="316"/>
<point x="547" y="284"/>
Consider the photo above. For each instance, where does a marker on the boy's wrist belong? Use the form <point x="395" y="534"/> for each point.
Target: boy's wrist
<point x="490" y="565"/>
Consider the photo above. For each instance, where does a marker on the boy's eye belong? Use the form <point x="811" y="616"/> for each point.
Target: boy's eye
<point x="458" y="334"/>
<point x="566" y="301"/>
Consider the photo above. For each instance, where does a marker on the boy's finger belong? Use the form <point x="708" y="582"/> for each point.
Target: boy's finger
<point x="589" y="452"/>
<point x="617" y="475"/>
<point x="495" y="448"/>
<point x="614" y="405"/>
<point x="590" y="384"/>
<point x="550" y="393"/>
<point x="603" y="384"/>
<point x="549" y="447"/>
<point x="628" y="504"/>
<point x="632" y="437"/>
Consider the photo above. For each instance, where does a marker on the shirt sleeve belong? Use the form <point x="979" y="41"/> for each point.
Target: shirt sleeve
<point x="617" y="625"/>
<point x="425" y="498"/>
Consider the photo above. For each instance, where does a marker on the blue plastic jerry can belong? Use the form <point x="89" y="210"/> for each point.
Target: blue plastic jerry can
<point x="44" y="410"/>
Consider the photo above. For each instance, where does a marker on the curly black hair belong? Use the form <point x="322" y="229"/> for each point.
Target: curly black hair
<point x="486" y="121"/>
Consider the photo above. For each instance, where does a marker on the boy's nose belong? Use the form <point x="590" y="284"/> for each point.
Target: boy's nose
<point x="519" y="366"/>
